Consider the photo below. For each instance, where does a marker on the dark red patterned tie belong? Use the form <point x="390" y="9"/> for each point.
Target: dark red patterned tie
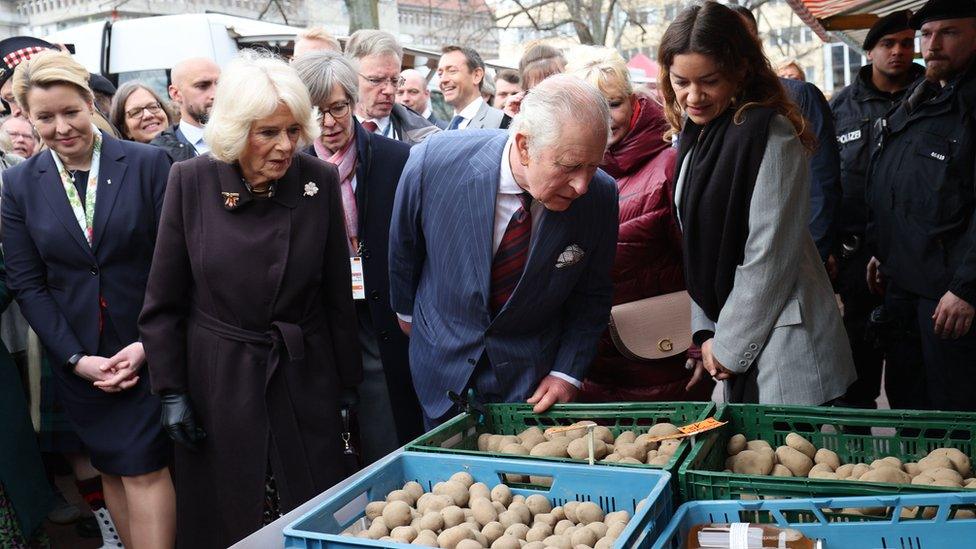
<point x="513" y="251"/>
<point x="370" y="126"/>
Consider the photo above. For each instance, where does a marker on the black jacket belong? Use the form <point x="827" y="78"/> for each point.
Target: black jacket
<point x="920" y="190"/>
<point x="857" y="109"/>
<point x="175" y="144"/>
<point x="378" y="169"/>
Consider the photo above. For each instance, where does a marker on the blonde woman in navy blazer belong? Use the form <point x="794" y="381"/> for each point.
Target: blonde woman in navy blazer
<point x="78" y="228"/>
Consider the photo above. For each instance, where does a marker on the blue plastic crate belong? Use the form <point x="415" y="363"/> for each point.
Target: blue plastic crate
<point x="823" y="518"/>
<point x="613" y="489"/>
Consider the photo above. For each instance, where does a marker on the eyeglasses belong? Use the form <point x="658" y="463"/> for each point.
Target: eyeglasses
<point x="136" y="112"/>
<point x="339" y="110"/>
<point x="395" y="81"/>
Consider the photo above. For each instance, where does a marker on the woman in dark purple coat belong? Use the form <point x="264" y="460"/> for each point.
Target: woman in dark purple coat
<point x="248" y="323"/>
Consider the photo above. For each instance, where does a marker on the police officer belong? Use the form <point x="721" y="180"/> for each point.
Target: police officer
<point x="879" y="87"/>
<point x="922" y="206"/>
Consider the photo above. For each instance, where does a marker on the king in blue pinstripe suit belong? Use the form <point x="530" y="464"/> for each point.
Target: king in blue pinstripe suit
<point x="441" y="258"/>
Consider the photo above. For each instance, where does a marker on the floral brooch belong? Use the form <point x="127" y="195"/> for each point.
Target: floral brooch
<point x="311" y="189"/>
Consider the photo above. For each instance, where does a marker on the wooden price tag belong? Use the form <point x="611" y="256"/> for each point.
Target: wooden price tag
<point x="691" y="429"/>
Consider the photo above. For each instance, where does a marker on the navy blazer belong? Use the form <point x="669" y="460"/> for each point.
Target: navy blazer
<point x="380" y="163"/>
<point x="440" y="270"/>
<point x="55" y="275"/>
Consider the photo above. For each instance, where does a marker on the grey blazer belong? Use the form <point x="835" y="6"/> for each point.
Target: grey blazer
<point x="781" y="324"/>
<point x="488" y="118"/>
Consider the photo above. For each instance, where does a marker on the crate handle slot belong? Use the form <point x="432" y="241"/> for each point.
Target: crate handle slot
<point x="350" y="512"/>
<point x="537" y="481"/>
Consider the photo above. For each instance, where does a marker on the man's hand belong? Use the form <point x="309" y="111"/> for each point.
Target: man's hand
<point x="712" y="365"/>
<point x="875" y="279"/>
<point x="550" y="391"/>
<point x="953" y="317"/>
<point x="404" y="326"/>
<point x="697" y="366"/>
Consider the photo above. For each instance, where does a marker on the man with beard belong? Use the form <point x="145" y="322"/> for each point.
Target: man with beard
<point x="879" y="87"/>
<point x="194" y="82"/>
<point x="922" y="203"/>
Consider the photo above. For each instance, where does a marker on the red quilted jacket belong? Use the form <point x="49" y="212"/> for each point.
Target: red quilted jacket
<point x="648" y="261"/>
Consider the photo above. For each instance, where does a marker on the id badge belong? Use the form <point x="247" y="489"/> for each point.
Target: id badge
<point x="358" y="281"/>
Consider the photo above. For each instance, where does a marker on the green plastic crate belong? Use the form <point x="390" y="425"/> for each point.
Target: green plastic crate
<point x="907" y="435"/>
<point x="460" y="434"/>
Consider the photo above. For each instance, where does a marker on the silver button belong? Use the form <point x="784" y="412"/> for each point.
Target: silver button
<point x="747" y="354"/>
<point x="753" y="346"/>
<point x="742" y="363"/>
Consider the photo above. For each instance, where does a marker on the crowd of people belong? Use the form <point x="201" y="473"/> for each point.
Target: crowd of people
<point x="222" y="300"/>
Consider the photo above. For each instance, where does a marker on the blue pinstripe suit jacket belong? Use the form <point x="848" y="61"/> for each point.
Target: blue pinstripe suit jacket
<point x="440" y="268"/>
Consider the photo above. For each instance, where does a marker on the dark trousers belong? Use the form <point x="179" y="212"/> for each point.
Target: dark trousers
<point x="945" y="380"/>
<point x="867" y="351"/>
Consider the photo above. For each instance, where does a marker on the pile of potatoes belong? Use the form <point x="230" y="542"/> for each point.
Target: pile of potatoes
<point x="945" y="467"/>
<point x="627" y="447"/>
<point x="463" y="514"/>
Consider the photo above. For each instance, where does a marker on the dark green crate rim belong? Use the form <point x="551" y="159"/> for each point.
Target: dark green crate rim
<point x="511" y="419"/>
<point x="917" y="432"/>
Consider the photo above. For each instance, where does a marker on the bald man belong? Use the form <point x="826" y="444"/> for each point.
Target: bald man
<point x="194" y="82"/>
<point x="413" y="93"/>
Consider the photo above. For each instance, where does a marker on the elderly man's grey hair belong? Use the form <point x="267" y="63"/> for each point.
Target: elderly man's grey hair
<point x="322" y="71"/>
<point x="366" y="42"/>
<point x="559" y="99"/>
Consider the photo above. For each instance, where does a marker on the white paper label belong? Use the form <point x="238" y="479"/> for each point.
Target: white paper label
<point x="358" y="281"/>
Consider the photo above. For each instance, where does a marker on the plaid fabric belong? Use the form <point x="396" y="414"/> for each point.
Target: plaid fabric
<point x="15" y="58"/>
<point x="56" y="433"/>
<point x="10" y="535"/>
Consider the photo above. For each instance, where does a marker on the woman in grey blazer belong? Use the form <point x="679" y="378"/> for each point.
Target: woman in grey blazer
<point x="763" y="309"/>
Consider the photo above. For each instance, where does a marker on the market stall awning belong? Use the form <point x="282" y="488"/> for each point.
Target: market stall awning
<point x="847" y="20"/>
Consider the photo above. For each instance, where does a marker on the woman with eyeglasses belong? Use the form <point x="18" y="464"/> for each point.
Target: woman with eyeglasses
<point x="369" y="170"/>
<point x="139" y="113"/>
<point x="249" y="324"/>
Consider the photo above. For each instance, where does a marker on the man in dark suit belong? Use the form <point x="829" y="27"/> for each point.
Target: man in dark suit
<point x="194" y="82"/>
<point x="500" y="264"/>
<point x="413" y="94"/>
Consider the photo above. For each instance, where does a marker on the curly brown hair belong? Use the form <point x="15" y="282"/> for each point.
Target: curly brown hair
<point x="715" y="31"/>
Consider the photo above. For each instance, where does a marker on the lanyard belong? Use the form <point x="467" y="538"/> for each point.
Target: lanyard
<point x="84" y="213"/>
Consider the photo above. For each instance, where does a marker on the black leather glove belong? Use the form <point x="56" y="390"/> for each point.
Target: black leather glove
<point x="179" y="422"/>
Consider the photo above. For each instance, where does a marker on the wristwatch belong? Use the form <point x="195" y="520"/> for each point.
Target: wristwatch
<point x="73" y="361"/>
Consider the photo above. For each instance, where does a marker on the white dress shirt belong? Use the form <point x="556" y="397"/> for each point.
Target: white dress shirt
<point x="384" y="126"/>
<point x="427" y="112"/>
<point x="507" y="202"/>
<point x="194" y="135"/>
<point x="469" y="112"/>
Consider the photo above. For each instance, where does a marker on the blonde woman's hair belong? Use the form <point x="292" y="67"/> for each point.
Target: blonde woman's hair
<point x="605" y="68"/>
<point x="46" y="69"/>
<point x="251" y="88"/>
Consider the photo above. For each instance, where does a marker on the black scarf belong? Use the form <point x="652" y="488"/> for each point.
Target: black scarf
<point x="715" y="196"/>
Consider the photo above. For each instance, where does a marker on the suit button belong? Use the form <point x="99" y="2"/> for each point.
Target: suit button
<point x="742" y="363"/>
<point x="375" y="295"/>
<point x="94" y="270"/>
<point x="472" y="361"/>
<point x="747" y="354"/>
<point x="753" y="346"/>
<point x="365" y="255"/>
<point x="384" y="333"/>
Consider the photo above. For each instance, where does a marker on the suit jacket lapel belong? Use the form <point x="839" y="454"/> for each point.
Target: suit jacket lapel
<point x="111" y="174"/>
<point x="53" y="190"/>
<point x="478" y="121"/>
<point x="485" y="170"/>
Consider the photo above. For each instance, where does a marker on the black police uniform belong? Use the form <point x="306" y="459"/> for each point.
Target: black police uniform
<point x="857" y="110"/>
<point x="922" y="224"/>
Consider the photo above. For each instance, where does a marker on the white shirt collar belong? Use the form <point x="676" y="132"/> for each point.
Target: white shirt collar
<point x="471" y="109"/>
<point x="192" y="133"/>
<point x="427" y="112"/>
<point x="381" y="124"/>
<point x="506" y="179"/>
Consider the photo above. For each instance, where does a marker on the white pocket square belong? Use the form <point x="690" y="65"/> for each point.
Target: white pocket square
<point x="570" y="256"/>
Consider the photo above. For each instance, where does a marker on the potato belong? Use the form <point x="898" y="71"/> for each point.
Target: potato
<point x="890" y="461"/>
<point x="396" y="513"/>
<point x="457" y="492"/>
<point x="562" y="526"/>
<point x="532" y="436"/>
<point x="935" y="462"/>
<point x="518" y="498"/>
<point x="493" y="442"/>
<point x="960" y="461"/>
<point x="643" y="440"/>
<point x="518" y="530"/>
<point x="464" y="478"/>
<point x="553" y="448"/>
<point x="823" y="473"/>
<point x="599" y="528"/>
<point x="449" y="538"/>
<point x="492" y="531"/>
<point x="668" y="446"/>
<point x="663" y="429"/>
<point x="626" y="436"/>
<point x="580" y="449"/>
<point x="612" y="458"/>
<point x="780" y="470"/>
<point x="506" y="542"/>
<point x="829" y="457"/>
<point x="452" y="515"/>
<point x="584" y="536"/>
<point x="559" y="512"/>
<point x="515" y="450"/>
<point x="617" y="516"/>
<point x="631" y="450"/>
<point x="859" y="470"/>
<point x="756" y="445"/>
<point x="603" y="433"/>
<point x="538" y="532"/>
<point x="886" y="474"/>
<point x="946" y="473"/>
<point x="604" y="543"/>
<point x="797" y="442"/>
<point x="523" y="511"/>
<point x="736" y="444"/>
<point x="752" y="462"/>
<point x="534" y="545"/>
<point x="378" y="528"/>
<point x="427" y="538"/>
<point x="570" y="510"/>
<point x="478" y="489"/>
<point x="468" y="544"/>
<point x="558" y="542"/>
<point x="502" y="494"/>
<point x="404" y="534"/>
<point x="509" y="518"/>
<point x="844" y="471"/>
<point x="548" y="519"/>
<point x="483" y="511"/>
<point x="401" y="495"/>
<point x="508" y="439"/>
<point x="415" y="489"/>
<point x="796" y="461"/>
<point x="374" y="509"/>
<point x="588" y="512"/>
<point x="633" y="461"/>
<point x="661" y="459"/>
<point x="912" y="468"/>
<point x="970" y="483"/>
<point x="614" y="529"/>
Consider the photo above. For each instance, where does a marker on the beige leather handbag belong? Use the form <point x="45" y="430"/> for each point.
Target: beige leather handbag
<point x="652" y="328"/>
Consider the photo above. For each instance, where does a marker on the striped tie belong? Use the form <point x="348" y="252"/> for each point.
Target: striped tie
<point x="370" y="126"/>
<point x="513" y="251"/>
<point x="455" y="122"/>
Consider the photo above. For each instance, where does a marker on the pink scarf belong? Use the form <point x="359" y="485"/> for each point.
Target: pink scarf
<point x="345" y="161"/>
